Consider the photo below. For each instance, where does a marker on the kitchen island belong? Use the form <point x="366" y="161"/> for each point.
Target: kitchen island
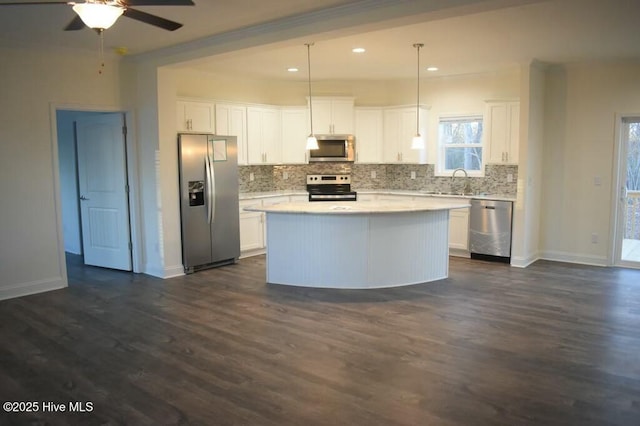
<point x="358" y="244"/>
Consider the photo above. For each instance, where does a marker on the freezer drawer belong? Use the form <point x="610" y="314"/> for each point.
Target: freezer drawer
<point x="490" y="230"/>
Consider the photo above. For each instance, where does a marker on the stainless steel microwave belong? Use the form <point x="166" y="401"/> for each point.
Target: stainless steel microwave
<point x="333" y="148"/>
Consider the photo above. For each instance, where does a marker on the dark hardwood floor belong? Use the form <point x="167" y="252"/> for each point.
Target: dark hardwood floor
<point x="553" y="344"/>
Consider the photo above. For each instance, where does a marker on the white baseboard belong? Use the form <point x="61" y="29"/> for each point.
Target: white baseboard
<point x="523" y="262"/>
<point x="164" y="272"/>
<point x="255" y="252"/>
<point x="25" y="289"/>
<point x="580" y="258"/>
<point x="173" y="271"/>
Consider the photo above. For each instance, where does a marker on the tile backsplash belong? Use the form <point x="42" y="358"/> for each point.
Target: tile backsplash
<point x="387" y="176"/>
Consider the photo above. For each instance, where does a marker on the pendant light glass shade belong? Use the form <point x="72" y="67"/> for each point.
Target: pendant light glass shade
<point x="312" y="142"/>
<point x="98" y="16"/>
<point x="417" y="142"/>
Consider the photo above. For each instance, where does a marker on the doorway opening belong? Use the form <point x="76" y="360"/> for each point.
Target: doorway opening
<point x="627" y="247"/>
<point x="94" y="187"/>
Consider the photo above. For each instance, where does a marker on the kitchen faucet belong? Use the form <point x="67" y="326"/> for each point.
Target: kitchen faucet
<point x="467" y="187"/>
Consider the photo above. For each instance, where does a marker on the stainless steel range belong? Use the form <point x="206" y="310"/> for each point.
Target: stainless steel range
<point x="330" y="188"/>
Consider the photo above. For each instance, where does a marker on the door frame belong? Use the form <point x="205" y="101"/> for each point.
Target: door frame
<point x="132" y="170"/>
<point x="618" y="178"/>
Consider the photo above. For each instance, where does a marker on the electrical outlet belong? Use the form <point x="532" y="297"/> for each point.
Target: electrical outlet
<point x="510" y="177"/>
<point x="597" y="181"/>
<point x="251" y="177"/>
<point x="373" y="174"/>
<point x="413" y="175"/>
<point x="594" y="238"/>
<point x="285" y="175"/>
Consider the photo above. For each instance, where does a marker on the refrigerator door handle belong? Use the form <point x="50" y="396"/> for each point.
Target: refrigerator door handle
<point x="212" y="192"/>
<point x="207" y="168"/>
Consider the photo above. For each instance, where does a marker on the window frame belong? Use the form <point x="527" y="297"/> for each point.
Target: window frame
<point x="439" y="169"/>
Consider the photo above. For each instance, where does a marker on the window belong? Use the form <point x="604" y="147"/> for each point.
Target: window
<point x="460" y="145"/>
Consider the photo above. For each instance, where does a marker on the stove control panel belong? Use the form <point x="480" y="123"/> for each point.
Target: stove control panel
<point x="328" y="179"/>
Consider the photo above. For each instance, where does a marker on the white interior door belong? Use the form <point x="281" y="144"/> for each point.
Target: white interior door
<point x="628" y="215"/>
<point x="102" y="183"/>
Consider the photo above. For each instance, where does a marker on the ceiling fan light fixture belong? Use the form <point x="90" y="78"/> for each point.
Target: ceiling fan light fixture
<point x="99" y="16"/>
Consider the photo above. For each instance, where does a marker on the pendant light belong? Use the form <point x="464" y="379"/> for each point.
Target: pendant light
<point x="312" y="142"/>
<point x="417" y="142"/>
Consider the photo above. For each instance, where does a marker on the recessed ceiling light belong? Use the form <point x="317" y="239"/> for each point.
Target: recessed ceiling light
<point x="358" y="50"/>
<point x="432" y="69"/>
<point x="293" y="69"/>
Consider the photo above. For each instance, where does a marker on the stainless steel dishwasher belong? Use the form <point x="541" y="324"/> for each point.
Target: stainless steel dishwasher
<point x="490" y="230"/>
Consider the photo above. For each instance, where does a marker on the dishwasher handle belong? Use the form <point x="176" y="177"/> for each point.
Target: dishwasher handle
<point x="490" y="207"/>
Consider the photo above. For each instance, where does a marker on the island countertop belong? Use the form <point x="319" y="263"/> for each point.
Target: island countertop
<point x="362" y="207"/>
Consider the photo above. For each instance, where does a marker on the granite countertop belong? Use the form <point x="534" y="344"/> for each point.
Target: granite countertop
<point x="497" y="197"/>
<point x="364" y="207"/>
<point x="269" y="194"/>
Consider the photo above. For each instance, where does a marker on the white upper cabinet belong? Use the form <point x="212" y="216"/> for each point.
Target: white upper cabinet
<point x="502" y="131"/>
<point x="195" y="116"/>
<point x="263" y="135"/>
<point x="368" y="135"/>
<point x="232" y="120"/>
<point x="294" y="135"/>
<point x="399" y="130"/>
<point x="333" y="115"/>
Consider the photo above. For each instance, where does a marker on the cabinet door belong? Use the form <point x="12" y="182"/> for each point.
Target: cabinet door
<point x="514" y="132"/>
<point x="294" y="135"/>
<point x="497" y="131"/>
<point x="271" y="136"/>
<point x="459" y="229"/>
<point x="342" y="116"/>
<point x="392" y="123"/>
<point x="196" y="116"/>
<point x="255" y="153"/>
<point x="251" y="227"/>
<point x="407" y="132"/>
<point x="368" y="135"/>
<point x="321" y="116"/>
<point x="232" y="120"/>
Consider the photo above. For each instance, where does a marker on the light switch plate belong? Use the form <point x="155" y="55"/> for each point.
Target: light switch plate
<point x="373" y="174"/>
<point x="413" y="175"/>
<point x="510" y="177"/>
<point x="285" y="175"/>
<point x="251" y="177"/>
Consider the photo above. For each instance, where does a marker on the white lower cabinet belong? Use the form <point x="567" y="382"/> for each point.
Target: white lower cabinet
<point x="459" y="232"/>
<point x="251" y="228"/>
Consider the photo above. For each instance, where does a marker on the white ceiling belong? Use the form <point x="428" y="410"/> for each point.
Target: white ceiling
<point x="496" y="36"/>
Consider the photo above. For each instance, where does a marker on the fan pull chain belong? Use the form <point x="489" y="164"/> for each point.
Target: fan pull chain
<point x="101" y="68"/>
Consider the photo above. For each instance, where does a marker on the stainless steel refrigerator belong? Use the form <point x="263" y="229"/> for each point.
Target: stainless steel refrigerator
<point x="208" y="200"/>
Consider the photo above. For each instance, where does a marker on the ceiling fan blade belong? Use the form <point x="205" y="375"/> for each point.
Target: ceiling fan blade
<point x="75" y="24"/>
<point x="150" y="19"/>
<point x="159" y="3"/>
<point x="33" y="2"/>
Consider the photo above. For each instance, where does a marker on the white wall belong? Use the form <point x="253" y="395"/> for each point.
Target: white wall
<point x="526" y="213"/>
<point x="580" y="107"/>
<point x="32" y="252"/>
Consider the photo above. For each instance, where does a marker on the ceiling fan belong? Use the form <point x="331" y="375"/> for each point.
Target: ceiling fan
<point x="102" y="14"/>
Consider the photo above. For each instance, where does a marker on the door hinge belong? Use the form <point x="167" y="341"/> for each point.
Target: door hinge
<point x="130" y="246"/>
<point x="124" y="130"/>
<point x="126" y="188"/>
